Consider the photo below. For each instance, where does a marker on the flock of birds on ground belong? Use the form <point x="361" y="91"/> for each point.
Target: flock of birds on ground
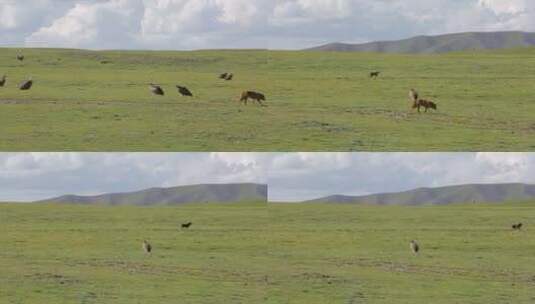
<point x="157" y="90"/>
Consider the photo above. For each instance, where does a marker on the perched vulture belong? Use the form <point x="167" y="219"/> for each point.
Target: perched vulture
<point x="415" y="247"/>
<point x="184" y="91"/>
<point x="156" y="90"/>
<point x="26" y="85"/>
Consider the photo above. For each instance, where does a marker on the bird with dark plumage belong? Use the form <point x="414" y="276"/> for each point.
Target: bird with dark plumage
<point x="375" y="75"/>
<point x="20" y="57"/>
<point x="517" y="227"/>
<point x="26" y="85"/>
<point x="3" y="81"/>
<point x="414" y="247"/>
<point x="156" y="89"/>
<point x="187" y="225"/>
<point x="229" y="77"/>
<point x="184" y="91"/>
<point x="147" y="248"/>
<point x="223" y="76"/>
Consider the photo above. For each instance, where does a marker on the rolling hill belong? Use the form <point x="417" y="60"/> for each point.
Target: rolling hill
<point x="439" y="44"/>
<point x="488" y="193"/>
<point x="213" y="193"/>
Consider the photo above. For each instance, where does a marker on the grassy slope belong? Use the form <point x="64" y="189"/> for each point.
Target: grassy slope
<point x="177" y="195"/>
<point x="62" y="254"/>
<point x="318" y="102"/>
<point x="310" y="253"/>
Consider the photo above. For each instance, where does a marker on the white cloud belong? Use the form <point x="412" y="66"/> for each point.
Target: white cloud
<point x="191" y="24"/>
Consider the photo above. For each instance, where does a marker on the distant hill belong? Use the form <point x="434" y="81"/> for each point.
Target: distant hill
<point x="487" y="193"/>
<point x="213" y="193"/>
<point x="439" y="44"/>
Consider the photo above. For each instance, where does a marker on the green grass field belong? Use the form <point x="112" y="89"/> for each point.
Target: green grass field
<point x="99" y="101"/>
<point x="243" y="253"/>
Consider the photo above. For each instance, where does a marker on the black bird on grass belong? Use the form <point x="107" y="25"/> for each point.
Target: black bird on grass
<point x="223" y="76"/>
<point x="375" y="74"/>
<point x="229" y="77"/>
<point x="517" y="227"/>
<point x="26" y="85"/>
<point x="156" y="90"/>
<point x="3" y="81"/>
<point x="20" y="57"/>
<point x="187" y="225"/>
<point x="184" y="91"/>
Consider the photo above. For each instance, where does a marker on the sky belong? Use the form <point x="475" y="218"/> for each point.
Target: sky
<point x="290" y="176"/>
<point x="273" y="24"/>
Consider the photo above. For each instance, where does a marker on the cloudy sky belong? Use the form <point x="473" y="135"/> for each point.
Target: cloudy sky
<point x="288" y="24"/>
<point x="291" y="176"/>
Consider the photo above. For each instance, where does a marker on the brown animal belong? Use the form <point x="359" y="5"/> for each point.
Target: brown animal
<point x="427" y="104"/>
<point x="3" y="81"/>
<point x="258" y="97"/>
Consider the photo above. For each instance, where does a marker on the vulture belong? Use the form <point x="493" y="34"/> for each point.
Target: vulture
<point x="184" y="91"/>
<point x="229" y="76"/>
<point x="187" y="225"/>
<point x="375" y="74"/>
<point x="20" y="57"/>
<point x="413" y="95"/>
<point x="26" y="85"/>
<point x="415" y="247"/>
<point x="517" y="226"/>
<point x="223" y="76"/>
<point x="156" y="90"/>
<point x="3" y="81"/>
<point x="147" y="248"/>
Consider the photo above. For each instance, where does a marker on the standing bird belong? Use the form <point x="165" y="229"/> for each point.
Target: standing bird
<point x="414" y="247"/>
<point x="26" y="85"/>
<point x="375" y="75"/>
<point x="184" y="91"/>
<point x="147" y="248"/>
<point x="229" y="77"/>
<point x="156" y="89"/>
<point x="223" y="76"/>
<point x="187" y="225"/>
<point x="3" y="81"/>
<point x="413" y="95"/>
<point x="20" y="57"/>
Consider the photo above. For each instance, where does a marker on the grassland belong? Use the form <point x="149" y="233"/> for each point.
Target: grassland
<point x="99" y="101"/>
<point x="250" y="253"/>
